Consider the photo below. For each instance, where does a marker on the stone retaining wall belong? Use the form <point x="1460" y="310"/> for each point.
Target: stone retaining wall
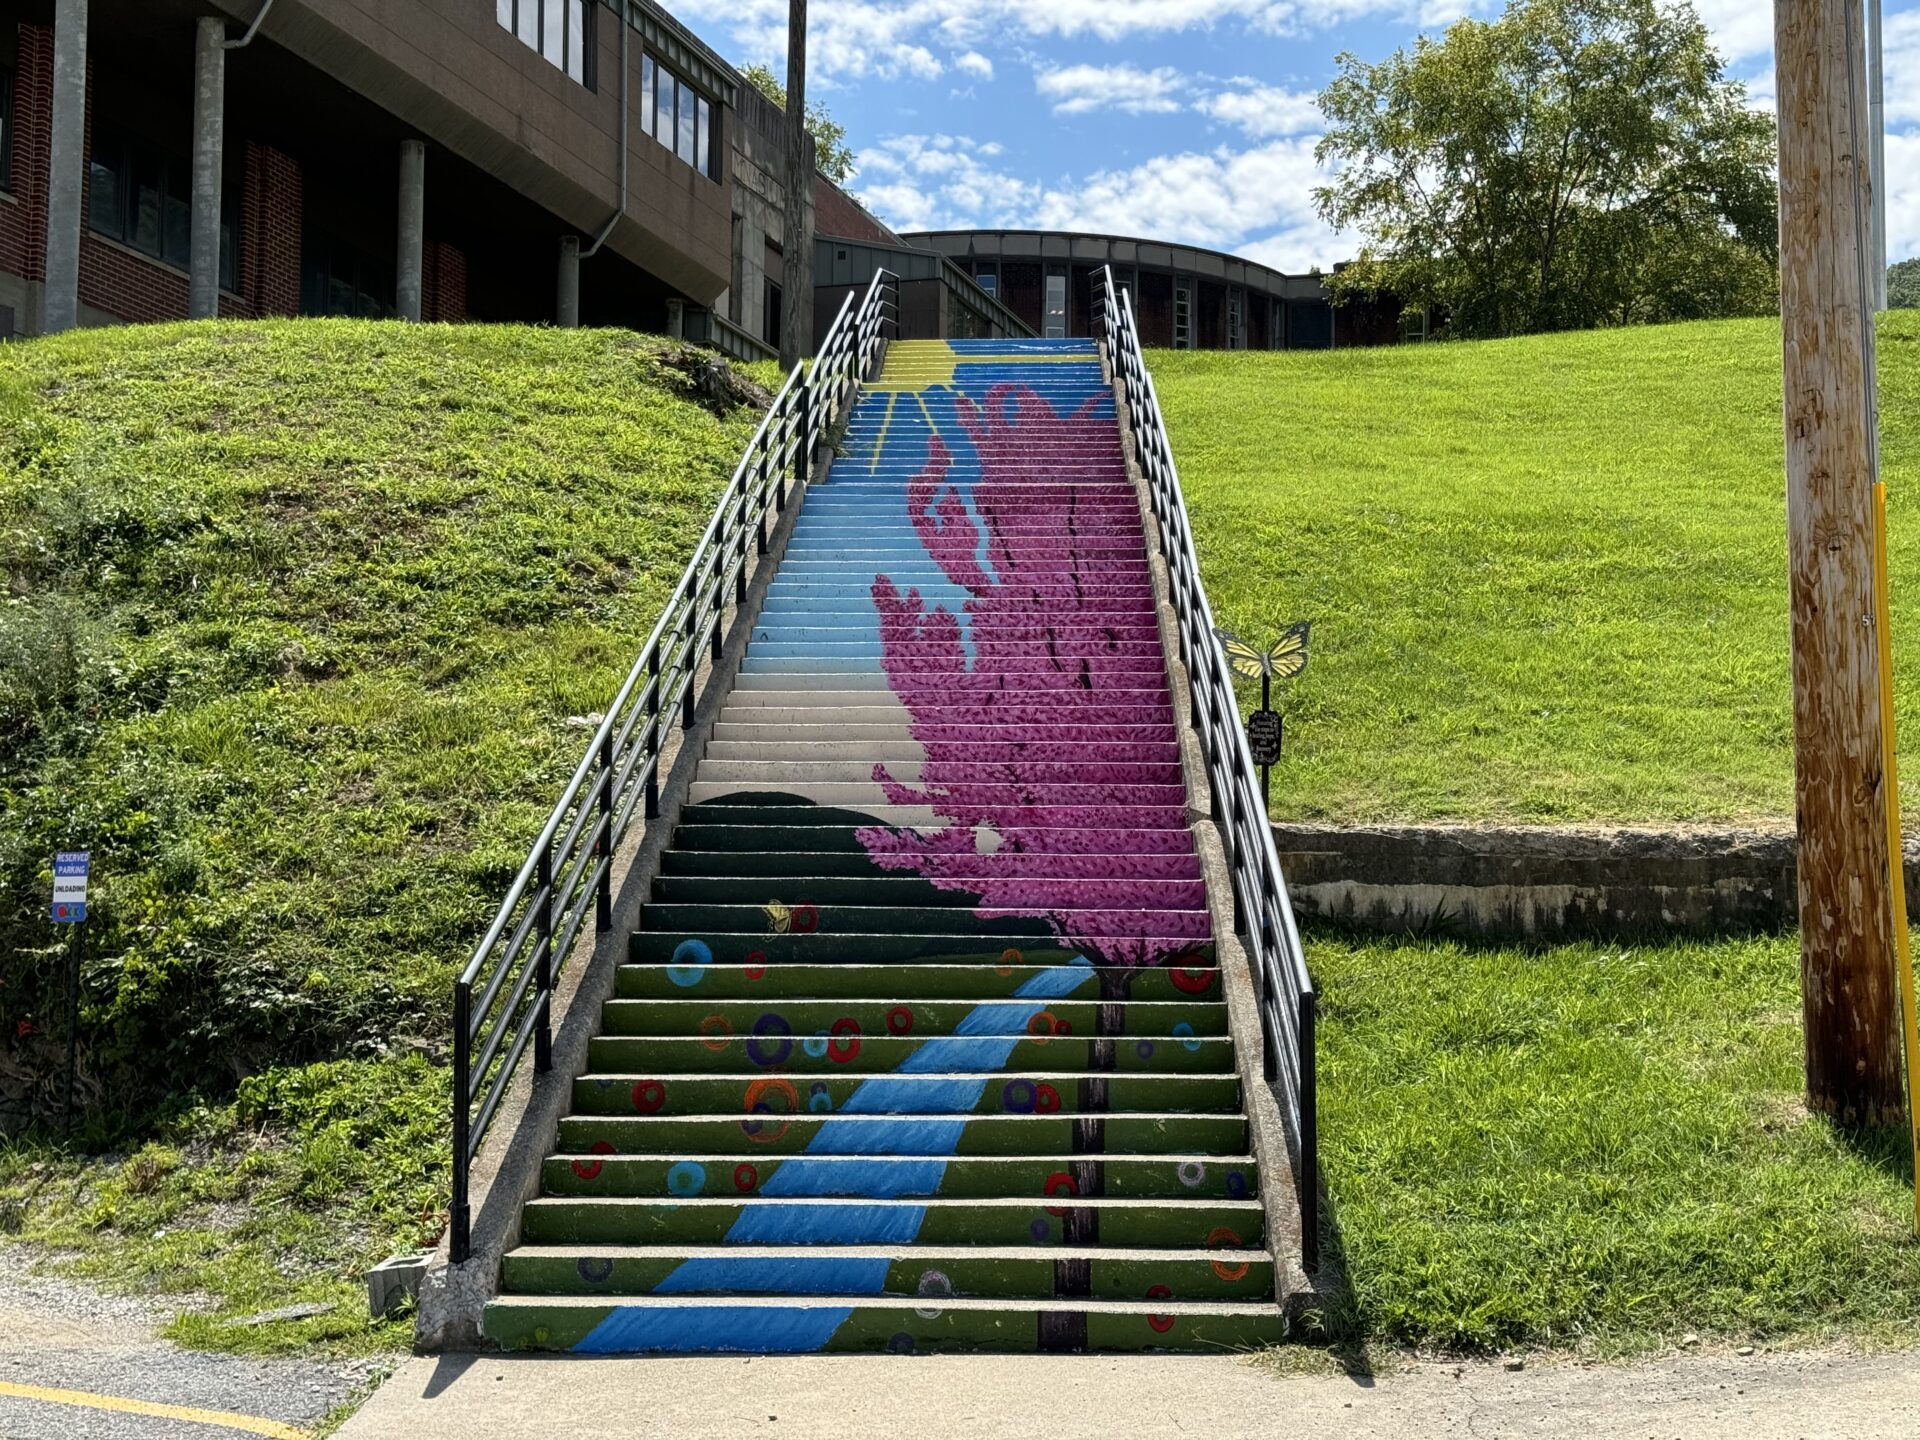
<point x="1523" y="882"/>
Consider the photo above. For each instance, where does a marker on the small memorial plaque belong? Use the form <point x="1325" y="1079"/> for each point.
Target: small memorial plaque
<point x="1264" y="730"/>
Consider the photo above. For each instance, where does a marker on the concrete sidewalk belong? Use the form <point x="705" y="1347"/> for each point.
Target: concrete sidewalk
<point x="1785" y="1396"/>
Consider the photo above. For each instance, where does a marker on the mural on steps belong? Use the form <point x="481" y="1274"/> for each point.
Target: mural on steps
<point x="922" y="1045"/>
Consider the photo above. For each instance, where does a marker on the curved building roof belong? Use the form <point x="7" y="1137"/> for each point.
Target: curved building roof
<point x="1122" y="251"/>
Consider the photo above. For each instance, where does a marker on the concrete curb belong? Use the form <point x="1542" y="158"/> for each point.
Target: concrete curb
<point x="506" y="1172"/>
<point x="1296" y="1290"/>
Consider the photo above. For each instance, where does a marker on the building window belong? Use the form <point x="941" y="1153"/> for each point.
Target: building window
<point x="775" y="308"/>
<point x="6" y="129"/>
<point x="561" y="30"/>
<point x="340" y="278"/>
<point x="1182" y="317"/>
<point x="1056" y="316"/>
<point x="987" y="278"/>
<point x="1236" y="321"/>
<point x="143" y="198"/>
<point x="1413" y="327"/>
<point x="678" y="116"/>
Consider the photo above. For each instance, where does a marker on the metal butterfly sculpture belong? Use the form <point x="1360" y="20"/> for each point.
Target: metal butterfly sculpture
<point x="1286" y="658"/>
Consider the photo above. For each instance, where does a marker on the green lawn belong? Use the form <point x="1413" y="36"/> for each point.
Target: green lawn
<point x="302" y="626"/>
<point x="1547" y="575"/>
<point x="1596" y="1147"/>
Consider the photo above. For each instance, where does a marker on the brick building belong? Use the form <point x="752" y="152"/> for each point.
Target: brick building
<point x="525" y="160"/>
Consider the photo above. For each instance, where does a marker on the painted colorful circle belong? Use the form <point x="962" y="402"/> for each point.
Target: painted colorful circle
<point x="1043" y="1027"/>
<point x="901" y="1344"/>
<point x="775" y="1027"/>
<point x="715" y="1031"/>
<point x="1159" y="1323"/>
<point x="819" y="1097"/>
<point x="590" y="1169"/>
<point x="649" y="1096"/>
<point x="815" y="1044"/>
<point x="934" y="1284"/>
<point x="1017" y="1097"/>
<point x="1184" y="1032"/>
<point x="686" y="1178"/>
<point x="755" y="965"/>
<point x="1236" y="1184"/>
<point x="595" y="1269"/>
<point x="1191" y="979"/>
<point x="1144" y="1049"/>
<point x="844" y="1044"/>
<point x="763" y="1132"/>
<point x="1192" y="1173"/>
<point x="1046" y="1099"/>
<point x="1060" y="1183"/>
<point x="745" y="1177"/>
<point x="899" y="1020"/>
<point x="688" y="966"/>
<point x="1041" y="1231"/>
<point x="806" y="919"/>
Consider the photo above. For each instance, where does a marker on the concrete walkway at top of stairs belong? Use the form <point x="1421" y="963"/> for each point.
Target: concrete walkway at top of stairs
<point x="1783" y="1395"/>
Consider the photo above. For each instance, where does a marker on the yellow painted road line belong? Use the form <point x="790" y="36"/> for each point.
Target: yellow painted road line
<point x="231" y="1420"/>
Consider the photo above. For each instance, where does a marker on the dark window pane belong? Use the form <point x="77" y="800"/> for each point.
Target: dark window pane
<point x="702" y="136"/>
<point x="106" y="195"/>
<point x="684" y="146"/>
<point x="177" y="215"/>
<point x="149" y="188"/>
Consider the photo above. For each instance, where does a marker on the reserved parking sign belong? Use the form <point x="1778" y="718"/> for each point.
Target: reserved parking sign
<point x="70" y="887"/>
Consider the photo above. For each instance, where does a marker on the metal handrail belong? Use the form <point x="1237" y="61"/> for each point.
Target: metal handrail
<point x="1262" y="910"/>
<point x="502" y="1001"/>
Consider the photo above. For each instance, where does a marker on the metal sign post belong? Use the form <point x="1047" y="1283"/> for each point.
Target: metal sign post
<point x="1266" y="731"/>
<point x="71" y="869"/>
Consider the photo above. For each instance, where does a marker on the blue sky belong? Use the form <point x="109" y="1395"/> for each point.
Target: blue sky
<point x="1189" y="120"/>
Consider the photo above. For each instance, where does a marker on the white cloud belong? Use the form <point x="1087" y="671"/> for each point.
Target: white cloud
<point x="1082" y="89"/>
<point x="1262" y="111"/>
<point x="1256" y="202"/>
<point x="974" y="63"/>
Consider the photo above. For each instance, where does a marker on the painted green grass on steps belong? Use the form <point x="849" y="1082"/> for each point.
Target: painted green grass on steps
<point x="1547" y="576"/>
<point x="1596" y="1147"/>
<point x="301" y="617"/>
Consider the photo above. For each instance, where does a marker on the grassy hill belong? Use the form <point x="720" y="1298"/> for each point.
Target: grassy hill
<point x="1547" y="576"/>
<point x="302" y="626"/>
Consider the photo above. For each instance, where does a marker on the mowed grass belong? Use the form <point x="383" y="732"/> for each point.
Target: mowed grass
<point x="1596" y="1147"/>
<point x="1547" y="576"/>
<point x="304" y="624"/>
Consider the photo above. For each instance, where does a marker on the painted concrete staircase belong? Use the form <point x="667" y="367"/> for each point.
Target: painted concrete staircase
<point x="921" y="1044"/>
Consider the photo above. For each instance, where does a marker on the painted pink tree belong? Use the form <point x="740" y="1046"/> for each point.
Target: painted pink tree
<point x="1064" y="649"/>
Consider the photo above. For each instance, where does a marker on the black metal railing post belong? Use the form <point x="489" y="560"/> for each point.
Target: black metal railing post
<point x="653" y="732"/>
<point x="460" y="1215"/>
<point x="603" y="844"/>
<point x="543" y="973"/>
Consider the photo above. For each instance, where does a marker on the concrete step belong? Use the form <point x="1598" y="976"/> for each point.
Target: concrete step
<point x="724" y="1053"/>
<point x="695" y="1325"/>
<point x="831" y="1026"/>
<point x="984" y="795"/>
<point x="1022" y="771"/>
<point x="664" y="1130"/>
<point x="699" y="835"/>
<point x="930" y="1273"/>
<point x="757" y="947"/>
<point x="1088" y="924"/>
<point x="905" y="982"/>
<point x="767" y="749"/>
<point x="1041" y="1220"/>
<point x="740" y="1172"/>
<point x="742" y="726"/>
<point x="909" y="889"/>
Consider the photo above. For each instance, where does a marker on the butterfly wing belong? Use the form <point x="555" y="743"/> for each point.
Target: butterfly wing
<point x="1288" y="657"/>
<point x="1244" y="659"/>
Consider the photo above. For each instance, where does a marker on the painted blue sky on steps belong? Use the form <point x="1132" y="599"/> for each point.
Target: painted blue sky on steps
<point x="1187" y="120"/>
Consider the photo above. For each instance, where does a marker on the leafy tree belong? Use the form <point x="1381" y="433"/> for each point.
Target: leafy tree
<point x="1903" y="285"/>
<point x="832" y="154"/>
<point x="1573" y="163"/>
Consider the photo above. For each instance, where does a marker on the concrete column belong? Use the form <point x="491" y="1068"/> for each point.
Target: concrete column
<point x="677" y="319"/>
<point x="209" y="120"/>
<point x="66" y="166"/>
<point x="566" y="308"/>
<point x="410" y="269"/>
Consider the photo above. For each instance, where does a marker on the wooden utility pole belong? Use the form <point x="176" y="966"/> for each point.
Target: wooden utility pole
<point x="1826" y="315"/>
<point x="796" y="240"/>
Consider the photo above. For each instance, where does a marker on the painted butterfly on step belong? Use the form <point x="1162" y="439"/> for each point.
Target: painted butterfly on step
<point x="791" y="919"/>
<point x="1286" y="658"/>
